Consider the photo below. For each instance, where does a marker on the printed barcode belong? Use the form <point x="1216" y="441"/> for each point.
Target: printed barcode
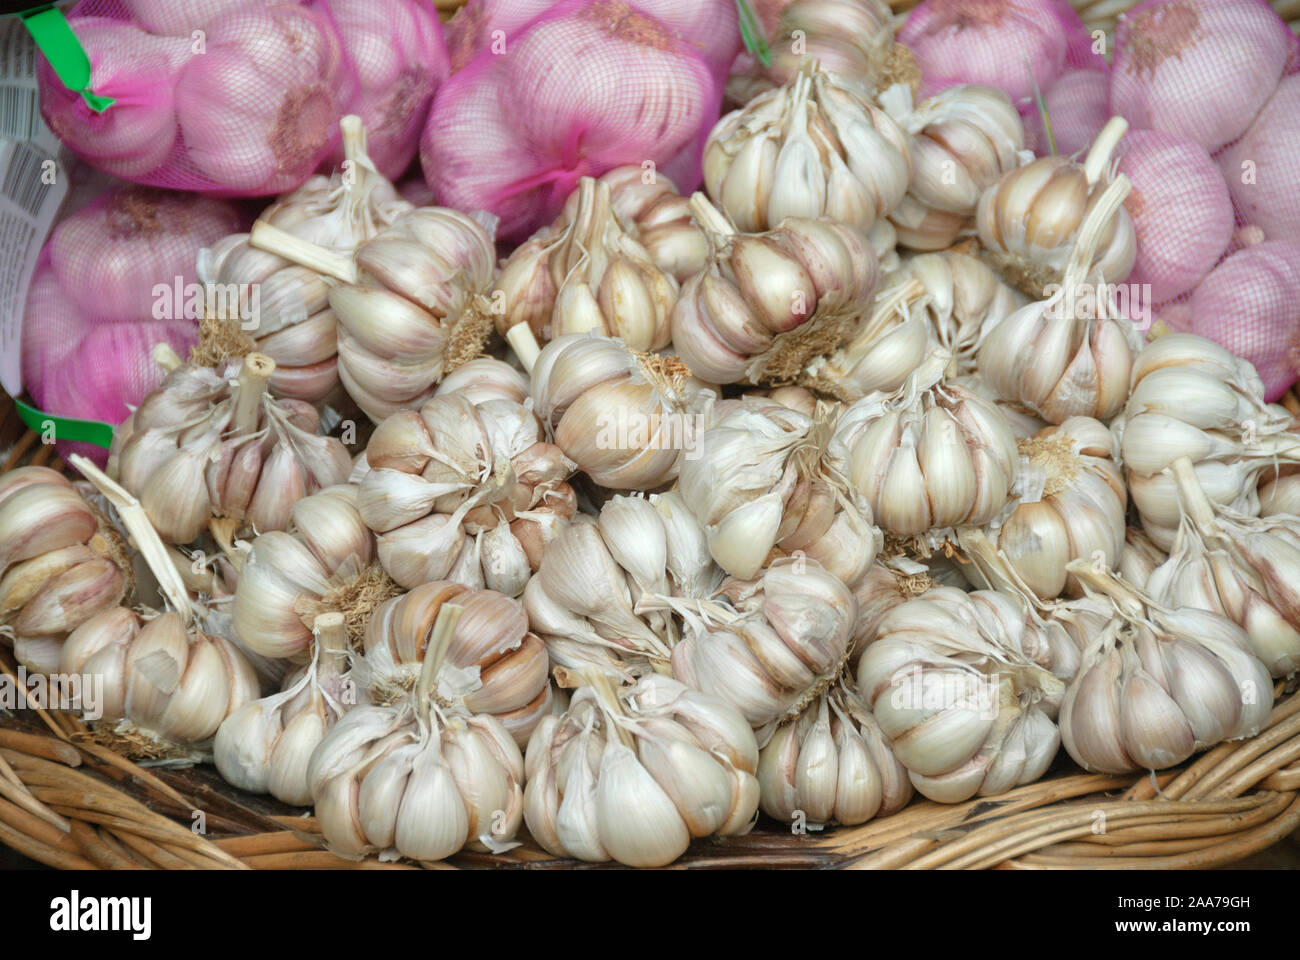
<point x="17" y="112"/>
<point x="22" y="182"/>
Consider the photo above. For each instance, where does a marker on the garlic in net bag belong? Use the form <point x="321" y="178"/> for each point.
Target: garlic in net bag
<point x="1259" y="166"/>
<point x="244" y="106"/>
<point x="588" y="86"/>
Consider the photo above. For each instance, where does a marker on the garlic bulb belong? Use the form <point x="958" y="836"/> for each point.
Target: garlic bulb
<point x="782" y="642"/>
<point x="634" y="775"/>
<point x="948" y="298"/>
<point x="60" y="564"/>
<point x="1241" y="568"/>
<point x="831" y="765"/>
<point x="1029" y="220"/>
<point x="1080" y="512"/>
<point x="1191" y="398"/>
<point x="1070" y="354"/>
<point x="604" y="595"/>
<point x="761" y="489"/>
<point x="417" y="779"/>
<point x="1157" y="685"/>
<point x="767" y="303"/>
<point x="963" y="140"/>
<point x="927" y="457"/>
<point x="266" y="745"/>
<point x="323" y="563"/>
<point x="886" y="585"/>
<point x="626" y="419"/>
<point x="464" y="491"/>
<point x="493" y="665"/>
<point x="813" y="147"/>
<point x="295" y="326"/>
<point x="650" y="207"/>
<point x="168" y="682"/>
<point x="961" y="685"/>
<point x="485" y="378"/>
<point x="411" y="307"/>
<point x="586" y="273"/>
<point x="211" y="443"/>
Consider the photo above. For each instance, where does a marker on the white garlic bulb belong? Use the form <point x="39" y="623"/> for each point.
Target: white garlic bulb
<point x="212" y="443"/>
<point x="853" y="39"/>
<point x="1191" y="398"/>
<point x="266" y="745"/>
<point x="761" y="490"/>
<point x="1030" y="219"/>
<point x="323" y="563"/>
<point x="650" y="207"/>
<point x="603" y="597"/>
<point x="931" y="456"/>
<point x="1157" y="685"/>
<point x="493" y="665"/>
<point x="813" y="147"/>
<point x="1070" y="354"/>
<point x="60" y="564"/>
<point x="464" y="491"/>
<point x="416" y="779"/>
<point x="961" y="684"/>
<point x="783" y="641"/>
<point x="634" y="775"/>
<point x="767" y="303"/>
<point x="625" y="418"/>
<point x="885" y="586"/>
<point x="1244" y="569"/>
<point x="1080" y="512"/>
<point x="586" y="273"/>
<point x="295" y="326"/>
<point x="411" y="306"/>
<point x="963" y="140"/>
<point x="831" y="765"/>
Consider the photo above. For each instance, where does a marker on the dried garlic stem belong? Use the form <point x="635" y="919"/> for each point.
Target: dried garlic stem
<point x="1192" y="497"/>
<point x="609" y="702"/>
<point x="313" y="256"/>
<point x="331" y="638"/>
<point x="435" y="650"/>
<point x="1129" y="602"/>
<point x="142" y="532"/>
<point x="1091" y="230"/>
<point x="254" y="375"/>
<point x="1100" y="152"/>
<point x="521" y="338"/>
<point x="710" y="219"/>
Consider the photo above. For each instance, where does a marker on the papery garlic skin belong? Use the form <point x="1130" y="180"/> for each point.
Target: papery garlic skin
<point x="635" y="775"/>
<point x="963" y="140"/>
<point x="173" y="686"/>
<point x="1028" y="221"/>
<point x="782" y="642"/>
<point x="464" y="491"/>
<point x="290" y="577"/>
<point x="418" y="310"/>
<point x="760" y="489"/>
<point x="626" y="419"/>
<point x="494" y="665"/>
<point x="651" y="208"/>
<point x="603" y="596"/>
<point x="928" y="457"/>
<point x="1080" y="512"/>
<point x="814" y="147"/>
<point x="832" y="765"/>
<point x="59" y="565"/>
<point x="1191" y="398"/>
<point x="961" y="686"/>
<point x="384" y="783"/>
<point x="586" y="273"/>
<point x="768" y="303"/>
<point x="210" y="443"/>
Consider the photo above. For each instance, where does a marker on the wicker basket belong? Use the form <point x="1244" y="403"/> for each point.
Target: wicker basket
<point x="70" y="802"/>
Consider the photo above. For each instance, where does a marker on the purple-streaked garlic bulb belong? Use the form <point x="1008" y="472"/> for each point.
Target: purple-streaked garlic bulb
<point x="650" y="207"/>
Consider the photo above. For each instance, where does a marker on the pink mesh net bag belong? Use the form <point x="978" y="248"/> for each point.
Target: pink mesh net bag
<point x="245" y="102"/>
<point x="397" y="51"/>
<point x="96" y="305"/>
<point x="1201" y="69"/>
<point x="711" y="26"/>
<point x="1078" y="106"/>
<point x="588" y="86"/>
<point x="1261" y="167"/>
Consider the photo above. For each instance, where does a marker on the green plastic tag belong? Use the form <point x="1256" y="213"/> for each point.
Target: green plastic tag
<point x="54" y="36"/>
<point x="751" y="29"/>
<point x="65" y="428"/>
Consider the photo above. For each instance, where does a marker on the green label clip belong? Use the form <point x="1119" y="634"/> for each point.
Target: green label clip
<point x="53" y="35"/>
<point x="65" y="428"/>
